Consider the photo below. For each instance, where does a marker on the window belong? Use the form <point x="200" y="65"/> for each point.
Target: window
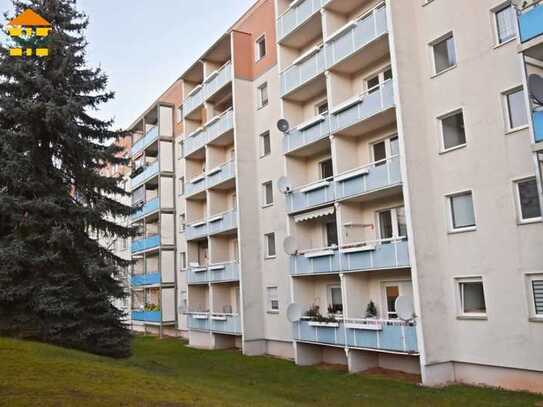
<point x="182" y="222"/>
<point x="322" y="107"/>
<point x="392" y="292"/>
<point x="262" y="95"/>
<point x="261" y="48"/>
<point x="392" y="223"/>
<point x="384" y="150"/>
<point x="326" y="169"/>
<point x="535" y="286"/>
<point x="267" y="192"/>
<point x="124" y="244"/>
<point x="330" y="233"/>
<point x="444" y="54"/>
<point x="183" y="260"/>
<point x="471" y="296"/>
<point x="374" y="82"/>
<point x="182" y="186"/>
<point x="273" y="299"/>
<point x="517" y="116"/>
<point x="452" y="131"/>
<point x="528" y="200"/>
<point x="461" y="211"/>
<point x="335" y="300"/>
<point x="270" y="244"/>
<point x="265" y="144"/>
<point x="505" y="23"/>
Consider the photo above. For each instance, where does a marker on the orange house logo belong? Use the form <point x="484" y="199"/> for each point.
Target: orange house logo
<point x="29" y="24"/>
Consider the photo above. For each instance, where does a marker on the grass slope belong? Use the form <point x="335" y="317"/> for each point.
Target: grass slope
<point x="167" y="373"/>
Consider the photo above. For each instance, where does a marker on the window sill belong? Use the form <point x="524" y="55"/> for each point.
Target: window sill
<point x="450" y="68"/>
<point x="453" y="149"/>
<point x="261" y="107"/>
<point x="269" y="257"/>
<point x="472" y="317"/>
<point x="517" y="129"/>
<point x="529" y="221"/>
<point x="272" y="312"/>
<point x="536" y="319"/>
<point x="264" y="155"/>
<point x="267" y="205"/>
<point x="427" y="2"/>
<point x="501" y="44"/>
<point x="463" y="230"/>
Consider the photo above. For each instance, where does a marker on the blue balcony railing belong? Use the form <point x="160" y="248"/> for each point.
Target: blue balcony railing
<point x="356" y="35"/>
<point x="375" y="255"/>
<point x="386" y="335"/>
<point x="215" y="322"/>
<point x="308" y="133"/>
<point x="149" y="207"/>
<point x="196" y="230"/>
<point x="150" y="137"/>
<point x="214" y="273"/>
<point x="361" y="108"/>
<point x="537" y="118"/>
<point x="531" y="23"/>
<point x="303" y="70"/>
<point x="297" y="15"/>
<point x="193" y="100"/>
<point x="223" y="222"/>
<point x="315" y="194"/>
<point x="216" y="127"/>
<point x="220" y="174"/>
<point x="379" y="175"/>
<point x="146" y="316"/>
<point x="198" y="321"/>
<point x="148" y="173"/>
<point x="148" y="243"/>
<point x="139" y="280"/>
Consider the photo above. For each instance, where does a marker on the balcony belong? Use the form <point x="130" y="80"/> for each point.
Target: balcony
<point x="215" y="128"/>
<point x="365" y="256"/>
<point x="214" y="273"/>
<point x="215" y="322"/>
<point x="211" y="85"/>
<point x="140" y="145"/>
<point x="296" y="16"/>
<point x="359" y="110"/>
<point x="146" y="316"/>
<point x="356" y="36"/>
<point x="537" y="118"/>
<point x="213" y="178"/>
<point x="315" y="194"/>
<point x="196" y="185"/>
<point x="307" y="67"/>
<point x="196" y="230"/>
<point x="223" y="222"/>
<point x="307" y="134"/>
<point x="385" y="335"/>
<point x="145" y="279"/>
<point x="531" y="23"/>
<point x="149" y="172"/>
<point x="149" y="207"/>
<point x="372" y="177"/>
<point x="148" y="243"/>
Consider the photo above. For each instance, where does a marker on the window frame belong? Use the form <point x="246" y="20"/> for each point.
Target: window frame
<point x="460" y="313"/>
<point x="494" y="11"/>
<point x="181" y="186"/>
<point x="318" y="106"/>
<point x="521" y="220"/>
<point x="437" y="41"/>
<point x="265" y="202"/>
<point x="530" y="277"/>
<point x="267" y="254"/>
<point x="263" y="136"/>
<point x="260" y="39"/>
<point x="452" y="228"/>
<point x="394" y="219"/>
<point x="272" y="294"/>
<point x="182" y="222"/>
<point x="445" y="116"/>
<point x="507" y="109"/>
<point x="329" y="296"/>
<point x="321" y="162"/>
<point x="260" y="100"/>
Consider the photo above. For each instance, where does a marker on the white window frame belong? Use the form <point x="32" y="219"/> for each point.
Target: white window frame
<point x="495" y="10"/>
<point x="181" y="186"/>
<point x="529" y="278"/>
<point x="259" y="57"/>
<point x="380" y="76"/>
<point x="267" y="254"/>
<point x="433" y="43"/>
<point x="325" y="232"/>
<point x="264" y="195"/>
<point x="518" y="205"/>
<point x="179" y="114"/>
<point x="388" y="148"/>
<point x="394" y="217"/>
<point x="272" y="297"/>
<point x="506" y="110"/>
<point x="260" y="100"/>
<point x="329" y="289"/>
<point x="449" y="197"/>
<point x="262" y="136"/>
<point x="458" y="281"/>
<point x="445" y="116"/>
<point x="321" y="161"/>
<point x="319" y="104"/>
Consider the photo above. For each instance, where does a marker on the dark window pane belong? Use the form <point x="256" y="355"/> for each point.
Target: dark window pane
<point x="385" y="224"/>
<point x="517" y="109"/>
<point x="529" y="199"/>
<point x="453" y="131"/>
<point x="331" y="233"/>
<point x="326" y="169"/>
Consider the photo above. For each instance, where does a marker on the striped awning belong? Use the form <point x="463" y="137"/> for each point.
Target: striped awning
<point x="317" y="213"/>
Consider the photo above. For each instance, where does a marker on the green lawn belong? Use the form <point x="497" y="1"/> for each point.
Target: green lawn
<point x="167" y="373"/>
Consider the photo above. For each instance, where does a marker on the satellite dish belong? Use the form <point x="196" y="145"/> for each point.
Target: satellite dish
<point x="283" y="185"/>
<point x="289" y="245"/>
<point x="535" y="84"/>
<point x="294" y="312"/>
<point x="404" y="308"/>
<point x="283" y="125"/>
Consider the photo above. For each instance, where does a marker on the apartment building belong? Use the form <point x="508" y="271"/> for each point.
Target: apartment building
<point x="406" y="177"/>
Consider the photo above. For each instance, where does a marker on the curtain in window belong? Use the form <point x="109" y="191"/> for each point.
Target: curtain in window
<point x="505" y="22"/>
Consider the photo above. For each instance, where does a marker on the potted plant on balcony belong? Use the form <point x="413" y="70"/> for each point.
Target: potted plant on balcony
<point x="335" y="310"/>
<point x="152" y="307"/>
<point x="371" y="310"/>
<point x="316" y="319"/>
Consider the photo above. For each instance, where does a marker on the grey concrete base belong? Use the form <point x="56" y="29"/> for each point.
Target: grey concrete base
<point x="254" y="348"/>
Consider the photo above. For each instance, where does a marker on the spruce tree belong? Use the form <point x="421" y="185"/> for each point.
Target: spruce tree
<point x="56" y="281"/>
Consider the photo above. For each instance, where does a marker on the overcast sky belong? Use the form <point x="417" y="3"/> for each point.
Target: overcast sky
<point x="144" y="45"/>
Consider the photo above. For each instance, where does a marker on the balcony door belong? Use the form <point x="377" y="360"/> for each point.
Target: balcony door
<point x="391" y="291"/>
<point x="326" y="169"/>
<point x="392" y="224"/>
<point x="203" y="258"/>
<point x="374" y="82"/>
<point x="384" y="150"/>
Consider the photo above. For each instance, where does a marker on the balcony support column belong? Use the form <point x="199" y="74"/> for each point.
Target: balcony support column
<point x="360" y="361"/>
